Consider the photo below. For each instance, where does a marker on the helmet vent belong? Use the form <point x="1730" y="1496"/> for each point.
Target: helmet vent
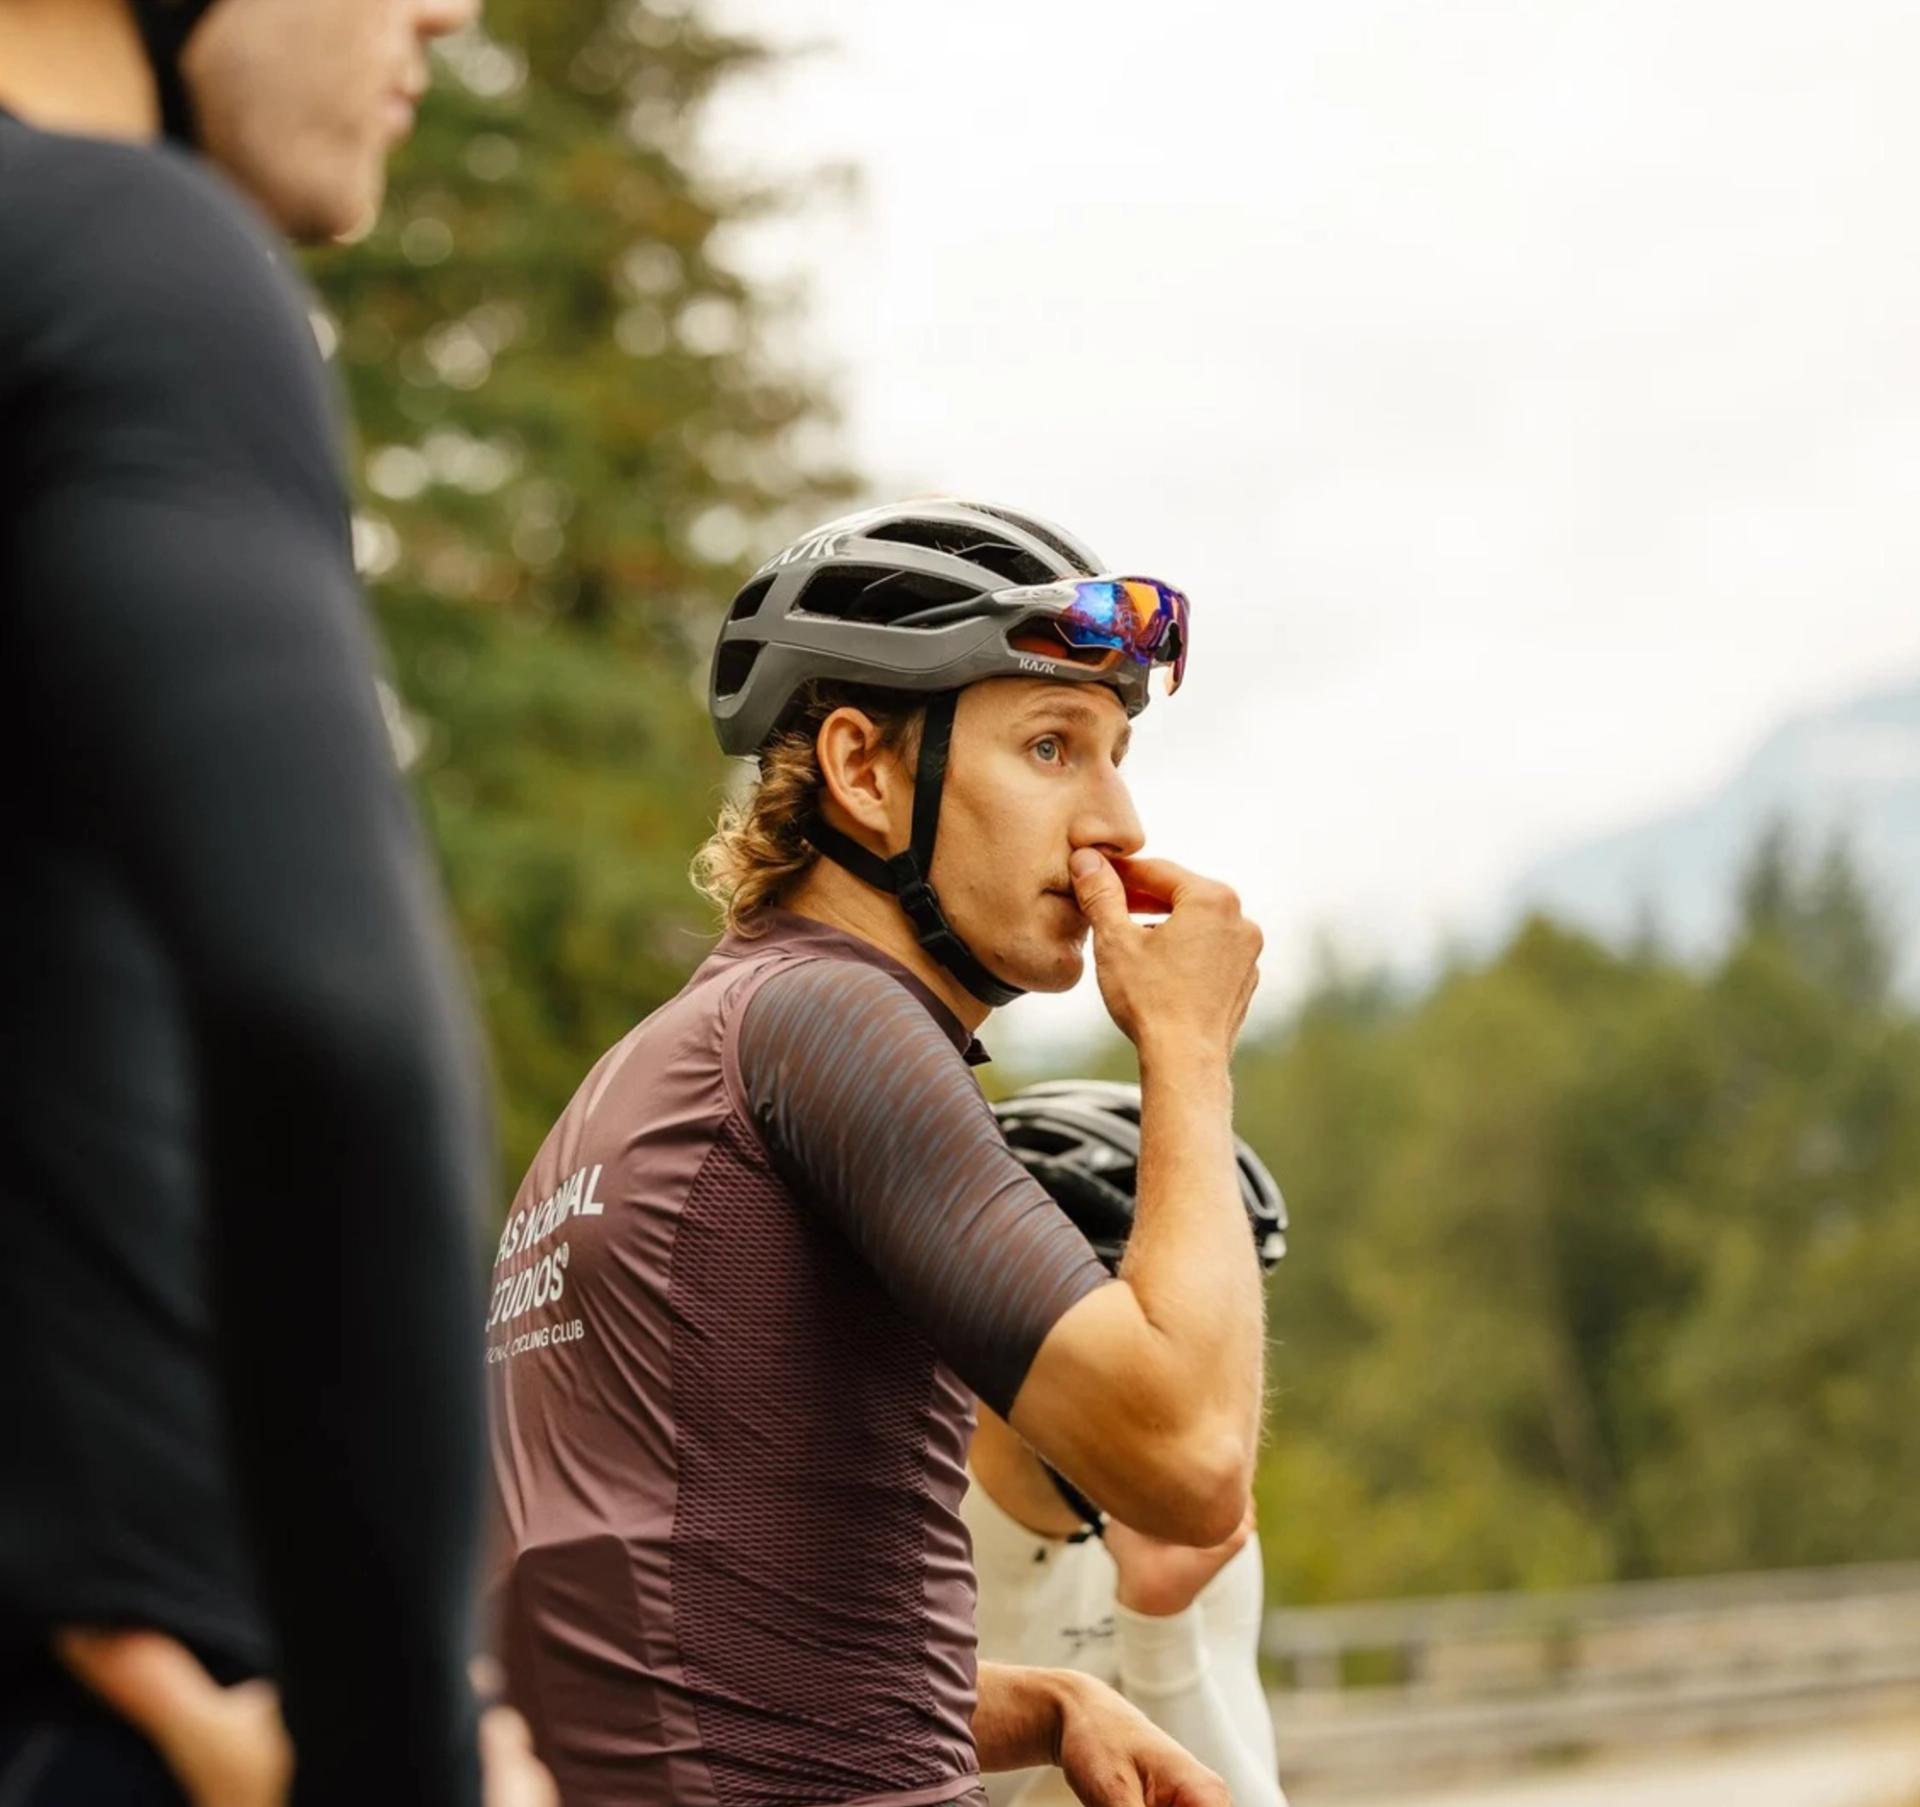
<point x="873" y="593"/>
<point x="1044" y="1141"/>
<point x="749" y="600"/>
<point x="1074" y="561"/>
<point x="732" y="667"/>
<point x="958" y="540"/>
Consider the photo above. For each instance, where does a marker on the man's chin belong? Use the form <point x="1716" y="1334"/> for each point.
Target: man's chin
<point x="1058" y="968"/>
<point x="321" y="204"/>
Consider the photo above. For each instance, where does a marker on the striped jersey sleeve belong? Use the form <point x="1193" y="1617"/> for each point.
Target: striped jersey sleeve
<point x="873" y="1118"/>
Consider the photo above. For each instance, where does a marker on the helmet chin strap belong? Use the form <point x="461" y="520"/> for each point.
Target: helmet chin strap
<point x="907" y="876"/>
<point x="1093" y="1522"/>
<point x="165" y="26"/>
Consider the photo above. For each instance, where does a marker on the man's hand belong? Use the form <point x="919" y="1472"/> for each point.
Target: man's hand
<point x="1188" y="979"/>
<point x="1161" y="1579"/>
<point x="227" y="1747"/>
<point x="1113" y="1755"/>
<point x="510" y="1774"/>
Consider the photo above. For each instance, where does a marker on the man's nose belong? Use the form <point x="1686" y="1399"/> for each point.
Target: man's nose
<point x="1111" y="825"/>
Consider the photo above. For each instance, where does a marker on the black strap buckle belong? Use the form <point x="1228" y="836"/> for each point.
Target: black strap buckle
<point x="922" y="905"/>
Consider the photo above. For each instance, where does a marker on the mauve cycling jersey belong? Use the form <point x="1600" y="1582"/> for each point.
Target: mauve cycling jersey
<point x="740" y="1303"/>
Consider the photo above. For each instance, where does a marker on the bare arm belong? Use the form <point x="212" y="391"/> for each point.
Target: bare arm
<point x="1016" y="1717"/>
<point x="1111" y="1754"/>
<point x="1147" y="1394"/>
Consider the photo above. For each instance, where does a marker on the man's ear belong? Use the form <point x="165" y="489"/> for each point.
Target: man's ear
<point x="862" y="778"/>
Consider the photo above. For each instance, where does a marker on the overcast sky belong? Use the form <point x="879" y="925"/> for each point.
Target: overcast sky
<point x="1527" y="393"/>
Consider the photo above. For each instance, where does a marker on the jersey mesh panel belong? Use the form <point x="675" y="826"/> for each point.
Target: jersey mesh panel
<point x="800" y="1395"/>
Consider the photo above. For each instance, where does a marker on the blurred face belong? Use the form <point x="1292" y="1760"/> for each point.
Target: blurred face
<point x="302" y="101"/>
<point x="1033" y="775"/>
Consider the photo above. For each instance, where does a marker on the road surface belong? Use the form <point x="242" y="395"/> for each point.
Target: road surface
<point x="1871" y="1766"/>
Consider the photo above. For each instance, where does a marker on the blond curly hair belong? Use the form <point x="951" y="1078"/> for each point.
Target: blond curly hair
<point x="757" y="853"/>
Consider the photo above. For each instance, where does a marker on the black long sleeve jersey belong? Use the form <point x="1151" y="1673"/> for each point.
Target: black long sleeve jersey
<point x="240" y="1130"/>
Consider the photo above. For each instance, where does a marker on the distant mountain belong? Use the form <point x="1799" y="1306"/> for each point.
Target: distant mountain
<point x="1855" y="769"/>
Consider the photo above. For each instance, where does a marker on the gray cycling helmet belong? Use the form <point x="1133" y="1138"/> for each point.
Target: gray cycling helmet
<point x="920" y="596"/>
<point x="923" y="597"/>
<point x="1080" y="1138"/>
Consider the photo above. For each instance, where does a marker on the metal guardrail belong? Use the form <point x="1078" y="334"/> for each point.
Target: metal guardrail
<point x="1381" y="1623"/>
<point x="1483" y="1681"/>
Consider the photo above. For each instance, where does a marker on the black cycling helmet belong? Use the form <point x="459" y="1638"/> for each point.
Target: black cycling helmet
<point x="1080" y="1138"/>
<point x="924" y="597"/>
<point x="165" y="26"/>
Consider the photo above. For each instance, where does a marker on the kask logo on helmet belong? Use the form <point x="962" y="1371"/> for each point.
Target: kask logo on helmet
<point x="821" y="545"/>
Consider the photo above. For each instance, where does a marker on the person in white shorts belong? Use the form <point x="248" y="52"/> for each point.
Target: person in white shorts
<point x="1176" y="1630"/>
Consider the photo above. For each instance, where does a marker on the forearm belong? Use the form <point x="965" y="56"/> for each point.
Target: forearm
<point x="1147" y="1393"/>
<point x="1018" y="1714"/>
<point x="1189" y="1261"/>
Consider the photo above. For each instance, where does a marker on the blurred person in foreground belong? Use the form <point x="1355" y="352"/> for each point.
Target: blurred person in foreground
<point x="242" y="1138"/>
<point x="776" y="1244"/>
<point x="1175" y="1629"/>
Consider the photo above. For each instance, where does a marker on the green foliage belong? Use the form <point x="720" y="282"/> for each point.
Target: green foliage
<point x="1601" y="1267"/>
<point x="1824" y="918"/>
<point x="572" y="432"/>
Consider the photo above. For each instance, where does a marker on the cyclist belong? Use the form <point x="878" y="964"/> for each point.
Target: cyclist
<point x="241" y="1146"/>
<point x="776" y="1243"/>
<point x="1175" y="1629"/>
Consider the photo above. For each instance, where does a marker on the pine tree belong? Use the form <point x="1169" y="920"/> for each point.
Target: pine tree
<point x="1767" y="882"/>
<point x="1847" y="941"/>
<point x="1825" y="918"/>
